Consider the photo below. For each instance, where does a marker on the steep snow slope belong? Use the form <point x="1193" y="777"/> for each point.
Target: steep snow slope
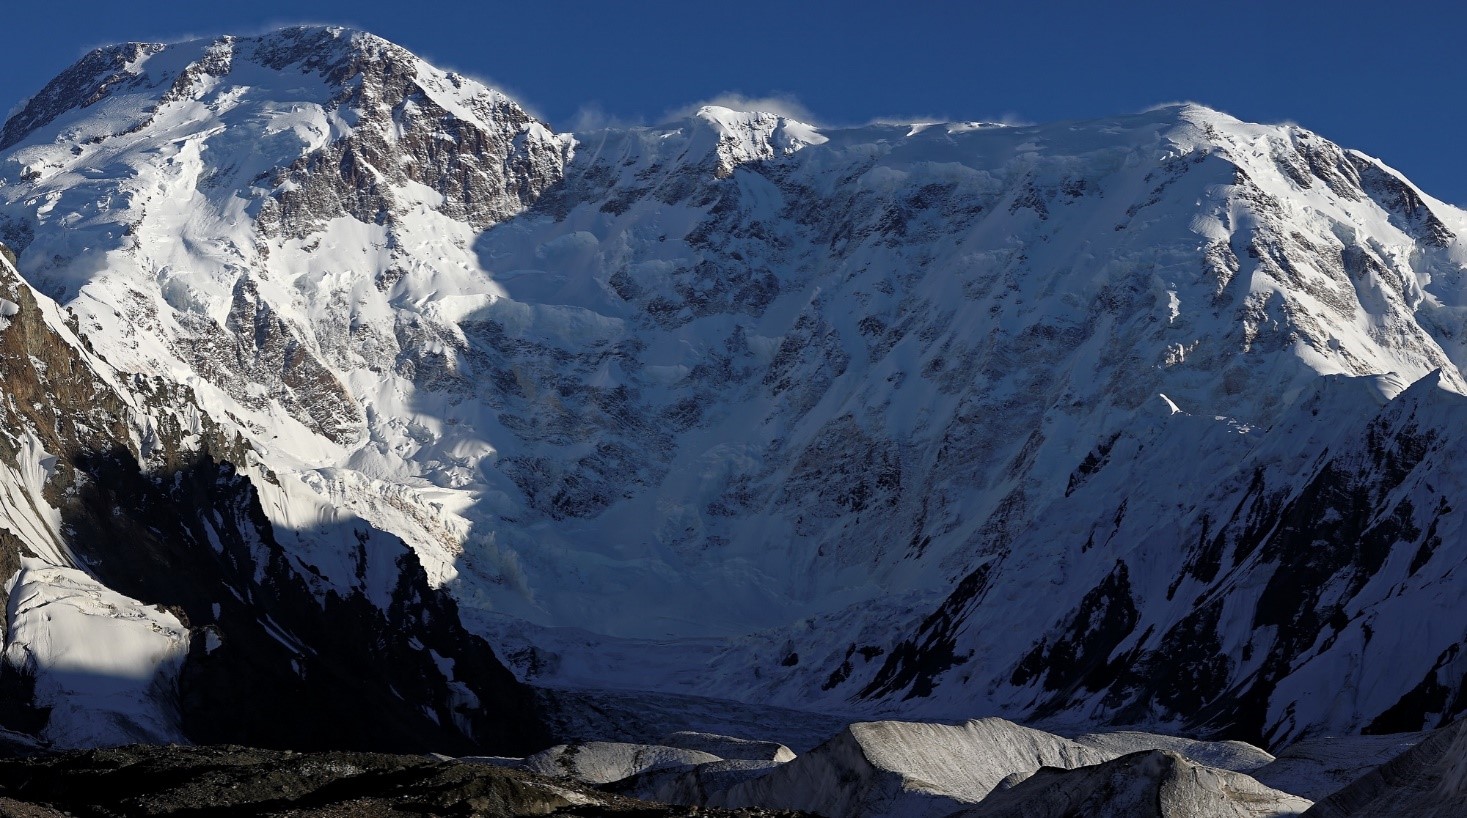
<point x="242" y="215"/>
<point x="891" y="351"/>
<point x="738" y="405"/>
<point x="1298" y="606"/>
<point x="149" y="598"/>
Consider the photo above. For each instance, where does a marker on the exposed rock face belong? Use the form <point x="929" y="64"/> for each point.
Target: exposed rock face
<point x="1152" y="784"/>
<point x="1291" y="556"/>
<point x="478" y="150"/>
<point x="256" y="347"/>
<point x="360" y="130"/>
<point x="86" y="83"/>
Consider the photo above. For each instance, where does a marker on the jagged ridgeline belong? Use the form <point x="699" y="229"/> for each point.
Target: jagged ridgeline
<point x="358" y="370"/>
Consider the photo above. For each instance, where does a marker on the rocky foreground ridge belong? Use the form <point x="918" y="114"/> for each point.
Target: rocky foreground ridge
<point x="992" y="767"/>
<point x="981" y="768"/>
<point x="144" y="782"/>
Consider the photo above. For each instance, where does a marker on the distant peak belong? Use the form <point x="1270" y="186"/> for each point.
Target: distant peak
<point x="319" y="48"/>
<point x="747" y="136"/>
<point x="312" y="29"/>
<point x="1184" y="108"/>
<point x="85" y="83"/>
<point x="169" y="72"/>
<point x="729" y="120"/>
<point x="721" y="113"/>
<point x="314" y="33"/>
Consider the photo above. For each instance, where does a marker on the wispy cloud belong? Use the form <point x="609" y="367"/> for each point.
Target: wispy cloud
<point x="1012" y="119"/>
<point x="1008" y="118"/>
<point x="592" y="117"/>
<point x="1171" y="103"/>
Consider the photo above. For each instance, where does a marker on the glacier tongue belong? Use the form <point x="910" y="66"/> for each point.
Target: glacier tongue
<point x="815" y="416"/>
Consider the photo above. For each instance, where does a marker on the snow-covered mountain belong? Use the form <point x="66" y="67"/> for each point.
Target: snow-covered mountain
<point x="151" y="597"/>
<point x="1151" y="419"/>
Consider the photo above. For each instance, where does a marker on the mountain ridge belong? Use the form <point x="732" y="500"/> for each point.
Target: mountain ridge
<point x="842" y="403"/>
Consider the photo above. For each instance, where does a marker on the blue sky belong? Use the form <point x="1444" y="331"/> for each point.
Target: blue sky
<point x="1385" y="78"/>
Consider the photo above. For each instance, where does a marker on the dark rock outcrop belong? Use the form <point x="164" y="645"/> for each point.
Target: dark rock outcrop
<point x="224" y="781"/>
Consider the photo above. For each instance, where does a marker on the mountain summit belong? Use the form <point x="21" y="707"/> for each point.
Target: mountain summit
<point x="1149" y="419"/>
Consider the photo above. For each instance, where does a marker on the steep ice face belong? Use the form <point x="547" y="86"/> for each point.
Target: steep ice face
<point x="886" y="327"/>
<point x="822" y="406"/>
<point x="1008" y="430"/>
<point x="1042" y="450"/>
